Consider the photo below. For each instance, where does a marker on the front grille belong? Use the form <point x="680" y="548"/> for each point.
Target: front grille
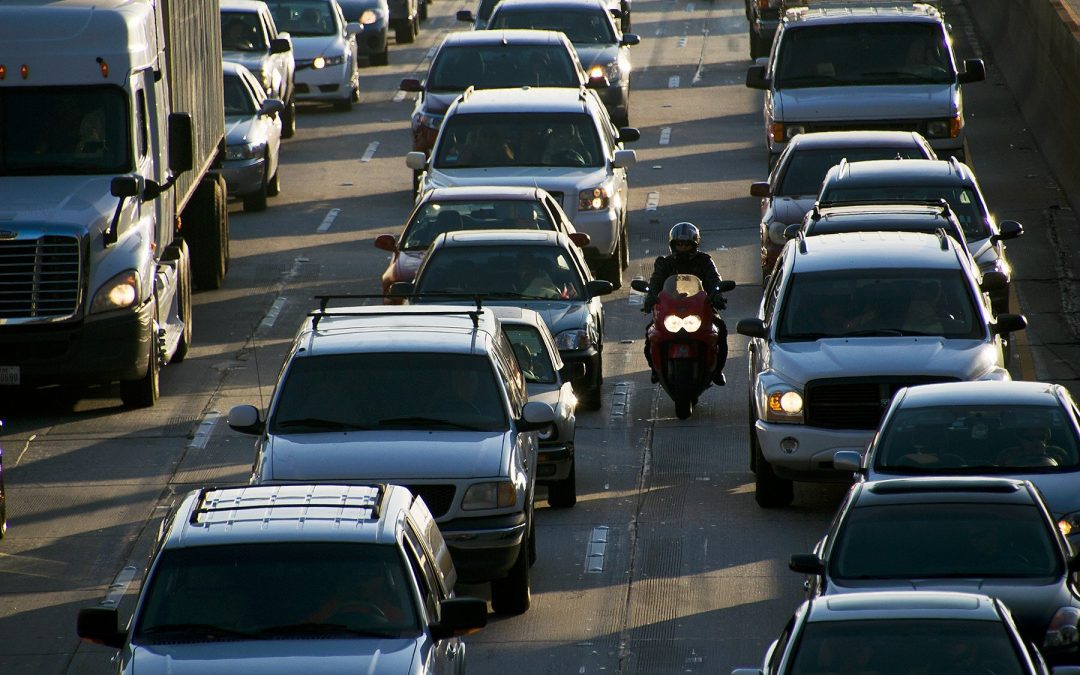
<point x="439" y="498"/>
<point x="864" y="125"/>
<point x="855" y="403"/>
<point x="39" y="278"/>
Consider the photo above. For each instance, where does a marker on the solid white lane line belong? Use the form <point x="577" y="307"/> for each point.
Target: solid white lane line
<point x="370" y="152"/>
<point x="594" y="553"/>
<point x="331" y="215"/>
<point x="206" y="427"/>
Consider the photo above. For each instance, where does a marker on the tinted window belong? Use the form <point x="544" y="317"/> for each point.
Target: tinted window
<point x="238" y="99"/>
<point x="934" y="540"/>
<point x="978" y="439"/>
<point x="242" y="32"/>
<point x="866" y="53"/>
<point x="379" y="391"/>
<point x="531" y="352"/>
<point x="519" y="139"/>
<point x="267" y="590"/>
<point x="964" y="202"/>
<point x="805" y="169"/>
<point x="875" y="302"/>
<point x="304" y="18"/>
<point x="591" y="26"/>
<point x="435" y="218"/>
<point x="488" y="67"/>
<point x="906" y="646"/>
<point x="509" y="271"/>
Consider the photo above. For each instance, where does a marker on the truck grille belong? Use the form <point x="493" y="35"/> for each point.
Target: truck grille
<point x="39" y="278"/>
<point x="439" y="498"/>
<point x="855" y="403"/>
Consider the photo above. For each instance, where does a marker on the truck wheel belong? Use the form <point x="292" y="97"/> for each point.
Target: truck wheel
<point x="771" y="491"/>
<point x="206" y="229"/>
<point x="144" y="392"/>
<point x="511" y="595"/>
<point x="563" y="494"/>
<point x="288" y="120"/>
<point x="183" y="290"/>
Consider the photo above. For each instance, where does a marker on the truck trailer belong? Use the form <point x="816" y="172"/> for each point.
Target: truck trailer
<point x="111" y="121"/>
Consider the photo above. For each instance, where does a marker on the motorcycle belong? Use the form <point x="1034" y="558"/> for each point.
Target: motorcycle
<point x="683" y="338"/>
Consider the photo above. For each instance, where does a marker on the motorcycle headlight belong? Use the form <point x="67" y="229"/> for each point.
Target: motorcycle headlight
<point x="595" y="199"/>
<point x="1062" y="632"/>
<point x="117" y="293"/>
<point x="245" y="151"/>
<point x="673" y="324"/>
<point x="498" y="495"/>
<point x="572" y="340"/>
<point x="784" y="404"/>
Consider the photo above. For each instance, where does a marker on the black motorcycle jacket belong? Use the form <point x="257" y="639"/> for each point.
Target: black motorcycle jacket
<point x="697" y="263"/>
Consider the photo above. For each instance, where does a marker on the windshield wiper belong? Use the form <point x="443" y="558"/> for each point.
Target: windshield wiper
<point x="417" y="421"/>
<point x="901" y="74"/>
<point x="319" y="423"/>
<point x="871" y="332"/>
<point x="206" y="630"/>
<point x="313" y="628"/>
<point x="803" y="79"/>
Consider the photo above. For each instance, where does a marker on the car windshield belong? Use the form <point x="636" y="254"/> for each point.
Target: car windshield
<point x="240" y="32"/>
<point x="588" y="26"/>
<point x="532" y="353"/>
<point x="802" y="172"/>
<point x="854" y="303"/>
<point x="304" y="18"/>
<point x="238" y="98"/>
<point x="65" y="131"/>
<point x="974" y="438"/>
<point x="865" y="53"/>
<point x="473" y="141"/>
<point x="435" y="218"/>
<point x="501" y="66"/>
<point x="933" y="540"/>
<point x="965" y="203"/>
<point x="379" y="390"/>
<point x="507" y="271"/>
<point x="905" y="647"/>
<point x="276" y="590"/>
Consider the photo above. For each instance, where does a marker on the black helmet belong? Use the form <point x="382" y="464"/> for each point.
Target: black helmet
<point x="684" y="233"/>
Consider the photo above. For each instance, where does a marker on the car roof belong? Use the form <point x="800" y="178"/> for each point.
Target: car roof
<point x="878" y="605"/>
<point x="252" y="514"/>
<point x="518" y="36"/>
<point x="899" y="172"/>
<point x="1015" y="392"/>
<point x="241" y="5"/>
<point x="471" y="192"/>
<point x="523" y="100"/>
<point x="501" y="238"/>
<point x="936" y="490"/>
<point x="553" y="5"/>
<point x="870" y="13"/>
<point x="874" y="250"/>
<point x="856" y="139"/>
<point x="451" y="329"/>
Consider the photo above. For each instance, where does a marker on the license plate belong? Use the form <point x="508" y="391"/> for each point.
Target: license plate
<point x="10" y="375"/>
<point x="680" y="351"/>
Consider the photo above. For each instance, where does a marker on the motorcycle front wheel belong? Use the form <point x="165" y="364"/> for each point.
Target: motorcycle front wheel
<point x="681" y="383"/>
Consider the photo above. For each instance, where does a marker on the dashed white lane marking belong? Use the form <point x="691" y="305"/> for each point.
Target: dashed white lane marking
<point x="400" y="96"/>
<point x="620" y="397"/>
<point x="119" y="586"/>
<point x="272" y="314"/>
<point x="682" y="42"/>
<point x="652" y="201"/>
<point x="370" y="152"/>
<point x="594" y="553"/>
<point x="331" y="215"/>
<point x="206" y="427"/>
<point x="665" y="135"/>
<point x="673" y="82"/>
<point x="275" y="310"/>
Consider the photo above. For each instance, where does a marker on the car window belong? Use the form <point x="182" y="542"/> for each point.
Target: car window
<point x="805" y="169"/>
<point x="978" y="439"/>
<point x="964" y="201"/>
<point x="507" y="365"/>
<point x="865" y="53"/>
<point x="378" y="390"/>
<point x="486" y="8"/>
<point x="877" y="302"/>
<point x="519" y="139"/>
<point x="238" y="98"/>
<point x="532" y="353"/>
<point x="275" y="589"/>
<point x="304" y="18"/>
<point x="437" y="217"/>
<point x="509" y="271"/>
<point x="778" y="649"/>
<point x="425" y="575"/>
<point x="242" y="32"/>
<point x="906" y="646"/>
<point x="589" y="26"/>
<point x="500" y="65"/>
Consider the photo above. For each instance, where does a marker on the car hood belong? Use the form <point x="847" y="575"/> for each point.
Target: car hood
<point x="437" y="103"/>
<point x="307" y="48"/>
<point x="559" y="315"/>
<point x="253" y="61"/>
<point x="790" y="210"/>
<point x="867" y="102"/>
<point x="238" y="128"/>
<point x="596" y="55"/>
<point x="277" y="657"/>
<point x="800" y="362"/>
<point x="567" y="180"/>
<point x="386" y="455"/>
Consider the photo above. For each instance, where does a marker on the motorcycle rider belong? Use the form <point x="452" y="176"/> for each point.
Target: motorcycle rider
<point x="684" y="241"/>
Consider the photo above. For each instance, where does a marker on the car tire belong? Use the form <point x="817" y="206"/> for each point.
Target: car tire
<point x="511" y="595"/>
<point x="624" y="242"/>
<point x="610" y="269"/>
<point x="770" y="491"/>
<point x="755" y="44"/>
<point x="532" y="545"/>
<point x="344" y="105"/>
<point x="273" y="188"/>
<point x="563" y="494"/>
<point x="381" y="58"/>
<point x="404" y="32"/>
<point x="256" y="201"/>
<point x="288" y="120"/>
<point x="591" y="398"/>
<point x="144" y="392"/>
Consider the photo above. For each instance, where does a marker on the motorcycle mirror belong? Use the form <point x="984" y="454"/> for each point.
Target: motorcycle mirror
<point x="640" y="285"/>
<point x="727" y="286"/>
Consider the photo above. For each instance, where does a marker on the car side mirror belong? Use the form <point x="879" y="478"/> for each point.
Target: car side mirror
<point x="460" y="616"/>
<point x="760" y="189"/>
<point x="639" y="285"/>
<point x="629" y="134"/>
<point x="1008" y="229"/>
<point x="411" y="84"/>
<point x="272" y="106"/>
<point x="535" y="416"/>
<point x="571" y="372"/>
<point x="598" y="287"/>
<point x="806" y="563"/>
<point x="101" y="625"/>
<point x="1008" y="323"/>
<point x="580" y="239"/>
<point x="993" y="281"/>
<point x="280" y="45"/>
<point x="416" y="160"/>
<point x="754" y="328"/>
<point x="755" y="77"/>
<point x="246" y="420"/>
<point x="847" y="460"/>
<point x="386" y="242"/>
<point x="727" y="286"/>
<point x="792" y="230"/>
<point x="401" y="289"/>
<point x="630" y="39"/>
<point x="974" y="71"/>
<point x="354" y="28"/>
<point x="624" y="159"/>
<point x="465" y="16"/>
<point x="125" y="186"/>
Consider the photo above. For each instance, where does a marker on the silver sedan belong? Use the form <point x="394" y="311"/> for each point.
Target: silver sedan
<point x="252" y="138"/>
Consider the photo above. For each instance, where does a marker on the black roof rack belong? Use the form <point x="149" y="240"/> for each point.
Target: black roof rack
<point x="201" y="508"/>
<point x="324" y="300"/>
<point x="940" y="203"/>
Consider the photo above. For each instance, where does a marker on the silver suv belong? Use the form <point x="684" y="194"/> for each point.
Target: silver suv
<point x="846" y="321"/>
<point x="431" y="398"/>
<point x="559" y="139"/>
<point x="324" y="578"/>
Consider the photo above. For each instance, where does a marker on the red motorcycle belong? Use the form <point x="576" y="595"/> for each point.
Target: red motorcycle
<point x="682" y="338"/>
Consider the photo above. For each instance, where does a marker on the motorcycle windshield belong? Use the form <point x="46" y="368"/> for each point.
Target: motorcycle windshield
<point x="682" y="286"/>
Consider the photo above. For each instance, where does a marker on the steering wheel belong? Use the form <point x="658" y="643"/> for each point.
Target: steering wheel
<point x="569" y="158"/>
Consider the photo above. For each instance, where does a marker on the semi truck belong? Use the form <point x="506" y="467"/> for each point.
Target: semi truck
<point x="111" y="126"/>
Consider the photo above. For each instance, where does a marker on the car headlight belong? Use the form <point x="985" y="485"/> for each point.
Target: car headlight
<point x="781" y="132"/>
<point x="121" y="291"/>
<point x="1062" y="632"/>
<point x="1069" y="523"/>
<point x="548" y="433"/>
<point x="674" y="324"/>
<point x="948" y="128"/>
<point x="327" y="61"/>
<point x="594" y="199"/>
<point x="245" y="151"/>
<point x="369" y="17"/>
<point x="570" y="340"/>
<point x="776" y="232"/>
<point x="498" y="495"/>
<point x="430" y="121"/>
<point x="784" y="404"/>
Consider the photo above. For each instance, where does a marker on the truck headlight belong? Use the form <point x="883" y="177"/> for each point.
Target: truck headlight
<point x="594" y="199"/>
<point x="572" y="340"/>
<point x="245" y="151"/>
<point x="489" y="496"/>
<point x="117" y="293"/>
<point x="674" y="324"/>
<point x="784" y="404"/>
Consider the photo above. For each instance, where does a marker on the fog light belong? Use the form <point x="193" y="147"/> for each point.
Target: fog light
<point x="789" y="445"/>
